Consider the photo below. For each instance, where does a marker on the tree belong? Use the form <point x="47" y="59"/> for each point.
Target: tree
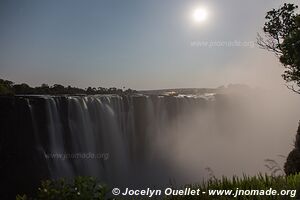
<point x="291" y="57"/>
<point x="9" y="88"/>
<point x="58" y="89"/>
<point x="43" y="89"/>
<point x="4" y="90"/>
<point x="6" y="87"/>
<point x="91" y="91"/>
<point x="23" y="88"/>
<point x="282" y="37"/>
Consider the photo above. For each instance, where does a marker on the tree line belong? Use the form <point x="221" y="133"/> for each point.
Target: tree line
<point x="10" y="88"/>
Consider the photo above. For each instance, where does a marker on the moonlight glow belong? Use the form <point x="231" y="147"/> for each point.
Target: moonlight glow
<point x="200" y="15"/>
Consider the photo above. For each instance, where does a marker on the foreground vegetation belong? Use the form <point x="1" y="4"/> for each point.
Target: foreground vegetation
<point x="259" y="182"/>
<point x="87" y="188"/>
<point x="81" y="188"/>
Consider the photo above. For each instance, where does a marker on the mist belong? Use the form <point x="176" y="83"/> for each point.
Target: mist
<point x="231" y="135"/>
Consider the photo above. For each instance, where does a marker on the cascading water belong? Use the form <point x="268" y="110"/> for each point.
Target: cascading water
<point x="128" y="130"/>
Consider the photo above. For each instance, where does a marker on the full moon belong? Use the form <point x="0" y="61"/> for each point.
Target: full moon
<point x="200" y="15"/>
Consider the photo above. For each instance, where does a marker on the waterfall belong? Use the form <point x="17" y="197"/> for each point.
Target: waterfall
<point x="140" y="140"/>
<point x="124" y="132"/>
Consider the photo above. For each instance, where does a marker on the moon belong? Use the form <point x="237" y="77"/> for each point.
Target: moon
<point x="200" y="15"/>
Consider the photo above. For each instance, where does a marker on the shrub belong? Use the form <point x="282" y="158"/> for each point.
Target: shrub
<point x="81" y="188"/>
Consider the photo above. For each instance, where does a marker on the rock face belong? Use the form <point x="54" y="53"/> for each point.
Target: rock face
<point x="21" y="164"/>
<point x="292" y="164"/>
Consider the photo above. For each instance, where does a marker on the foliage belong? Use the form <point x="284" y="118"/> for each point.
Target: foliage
<point x="87" y="188"/>
<point x="292" y="164"/>
<point x="9" y="88"/>
<point x="6" y="87"/>
<point x="282" y="37"/>
<point x="81" y="188"/>
<point x="259" y="182"/>
<point x="290" y="57"/>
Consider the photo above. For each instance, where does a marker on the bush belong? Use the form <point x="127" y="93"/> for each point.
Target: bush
<point x="81" y="188"/>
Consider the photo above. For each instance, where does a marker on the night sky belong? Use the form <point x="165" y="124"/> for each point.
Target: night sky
<point x="141" y="44"/>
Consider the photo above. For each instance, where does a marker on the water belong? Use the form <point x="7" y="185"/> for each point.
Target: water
<point x="150" y="140"/>
<point x="130" y="131"/>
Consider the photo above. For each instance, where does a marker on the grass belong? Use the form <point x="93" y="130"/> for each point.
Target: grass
<point x="259" y="183"/>
<point x="87" y="188"/>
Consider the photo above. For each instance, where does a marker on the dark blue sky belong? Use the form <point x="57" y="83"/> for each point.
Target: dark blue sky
<point x="141" y="44"/>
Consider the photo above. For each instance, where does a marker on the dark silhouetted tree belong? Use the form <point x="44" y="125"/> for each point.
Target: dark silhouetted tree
<point x="58" y="89"/>
<point x="23" y="88"/>
<point x="9" y="88"/>
<point x="6" y="87"/>
<point x="282" y="37"/>
<point x="91" y="90"/>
